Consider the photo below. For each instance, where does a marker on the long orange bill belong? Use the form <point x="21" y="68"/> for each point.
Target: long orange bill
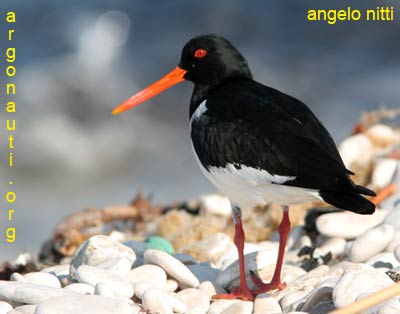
<point x="172" y="78"/>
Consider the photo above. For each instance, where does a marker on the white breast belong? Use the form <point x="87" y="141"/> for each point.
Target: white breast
<point x="198" y="112"/>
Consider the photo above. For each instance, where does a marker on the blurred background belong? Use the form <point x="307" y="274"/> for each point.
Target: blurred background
<point x="76" y="60"/>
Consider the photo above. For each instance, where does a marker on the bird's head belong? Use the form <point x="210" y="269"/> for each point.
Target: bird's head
<point x="206" y="60"/>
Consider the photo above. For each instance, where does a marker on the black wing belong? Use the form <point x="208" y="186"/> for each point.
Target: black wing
<point x="247" y="123"/>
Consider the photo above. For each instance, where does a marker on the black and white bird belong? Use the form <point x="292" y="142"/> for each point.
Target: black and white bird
<point x="256" y="144"/>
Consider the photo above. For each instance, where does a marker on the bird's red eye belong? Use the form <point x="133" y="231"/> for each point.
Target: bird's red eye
<point x="200" y="53"/>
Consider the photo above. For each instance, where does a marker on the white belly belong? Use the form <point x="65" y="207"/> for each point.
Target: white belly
<point x="248" y="187"/>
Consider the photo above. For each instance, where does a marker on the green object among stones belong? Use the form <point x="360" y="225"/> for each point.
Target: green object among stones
<point x="159" y="243"/>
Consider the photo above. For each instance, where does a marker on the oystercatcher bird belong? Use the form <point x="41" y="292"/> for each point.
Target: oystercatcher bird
<point x="256" y="144"/>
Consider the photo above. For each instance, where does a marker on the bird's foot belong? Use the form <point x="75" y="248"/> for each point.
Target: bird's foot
<point x="249" y="295"/>
<point x="264" y="287"/>
<point x="242" y="294"/>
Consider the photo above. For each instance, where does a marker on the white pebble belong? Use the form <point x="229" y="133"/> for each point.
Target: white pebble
<point x="120" y="266"/>
<point x="393" y="217"/>
<point x="197" y="302"/>
<point x="171" y="285"/>
<point x="265" y="303"/>
<point x="218" y="306"/>
<point x="60" y="271"/>
<point x="100" y="249"/>
<point x="336" y="246"/>
<point x="391" y="306"/>
<point x="241" y="307"/>
<point x="216" y="204"/>
<point x="357" y="280"/>
<point x="151" y="273"/>
<point x="397" y="253"/>
<point x="86" y="304"/>
<point x="356" y="149"/>
<point x="5" y="307"/>
<point x="17" y="277"/>
<point x="29" y="293"/>
<point x="42" y="278"/>
<point x="104" y="290"/>
<point x="172" y="266"/>
<point x="211" y="288"/>
<point x="26" y="309"/>
<point x="93" y="275"/>
<point x="371" y="243"/>
<point x="253" y="261"/>
<point x="154" y="300"/>
<point x="383" y="172"/>
<point x="82" y="288"/>
<point x="351" y="225"/>
<point x="141" y="287"/>
<point x="383" y="260"/>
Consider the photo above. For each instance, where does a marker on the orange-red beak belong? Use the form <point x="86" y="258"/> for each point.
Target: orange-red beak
<point x="172" y="78"/>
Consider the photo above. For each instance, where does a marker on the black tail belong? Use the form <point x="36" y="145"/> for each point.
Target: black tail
<point x="350" y="201"/>
<point x="364" y="191"/>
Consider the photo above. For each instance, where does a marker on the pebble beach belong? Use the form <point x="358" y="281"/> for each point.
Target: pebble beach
<point x="173" y="259"/>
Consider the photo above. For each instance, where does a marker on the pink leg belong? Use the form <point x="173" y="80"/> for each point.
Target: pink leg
<point x="276" y="283"/>
<point x="243" y="292"/>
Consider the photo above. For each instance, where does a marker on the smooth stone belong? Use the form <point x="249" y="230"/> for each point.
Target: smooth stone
<point x="26" y="309"/>
<point x="86" y="304"/>
<point x="391" y="306"/>
<point x="171" y="286"/>
<point x="93" y="275"/>
<point x="290" y="301"/>
<point x="137" y="246"/>
<point x="177" y="305"/>
<point x="371" y="243"/>
<point x="306" y="282"/>
<point x="336" y="246"/>
<point x="82" y="288"/>
<point x="395" y="242"/>
<point x="397" y="253"/>
<point x="356" y="280"/>
<point x="29" y="293"/>
<point x="197" y="301"/>
<point x="172" y="266"/>
<point x="210" y="248"/>
<point x="141" y="287"/>
<point x="253" y="262"/>
<point x="5" y="307"/>
<point x="117" y="266"/>
<point x="14" y="312"/>
<point x="151" y="273"/>
<point x="18" y="277"/>
<point x="267" y="304"/>
<point x="211" y="289"/>
<point x="60" y="271"/>
<point x="383" y="172"/>
<point x="99" y="249"/>
<point x="104" y="290"/>
<point x="393" y="217"/>
<point x="216" y="204"/>
<point x="241" y="307"/>
<point x="155" y="301"/>
<point x="231" y="254"/>
<point x="204" y="272"/>
<point x="351" y="225"/>
<point x="383" y="260"/>
<point x="356" y="149"/>
<point x="218" y="306"/>
<point x="42" y="278"/>
<point x="319" y="295"/>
